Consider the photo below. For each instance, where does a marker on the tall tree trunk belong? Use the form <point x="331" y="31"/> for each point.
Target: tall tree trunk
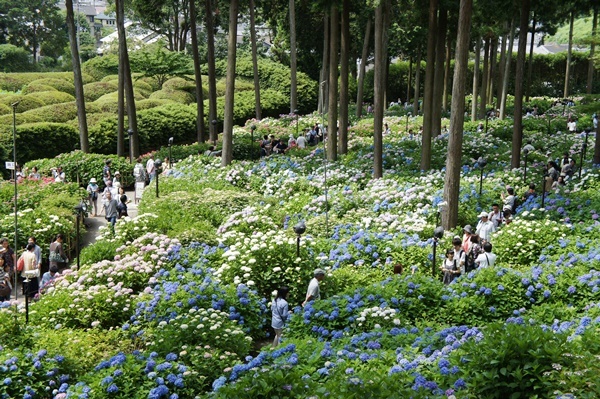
<point x="476" y="80"/>
<point x="417" y="83"/>
<point x="409" y="79"/>
<point x="507" y="64"/>
<point x="257" y="107"/>
<point x="363" y="66"/>
<point x="530" y="61"/>
<point x="212" y="74"/>
<point x="344" y="61"/>
<point x="78" y="80"/>
<point x="447" y="72"/>
<point x="596" y="160"/>
<point x="591" y="69"/>
<point x="429" y="82"/>
<point x="332" y="115"/>
<point x="484" y="77"/>
<point x="500" y="73"/>
<point x="198" y="75"/>
<point x="438" y="87"/>
<point x="569" y="53"/>
<point x="324" y="76"/>
<point x="379" y="86"/>
<point x="121" y="85"/>
<point x="227" y="153"/>
<point x="517" y="140"/>
<point x="128" y="82"/>
<point x="457" y="117"/>
<point x="293" y="62"/>
<point x="493" y="60"/>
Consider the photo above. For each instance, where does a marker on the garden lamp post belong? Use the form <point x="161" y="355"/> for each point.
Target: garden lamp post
<point x="583" y="148"/>
<point x="440" y="208"/>
<point x="408" y="115"/>
<point x="526" y="152"/>
<point x="296" y="113"/>
<point x="587" y="132"/>
<point x="130" y="134"/>
<point x="487" y="118"/>
<point x="170" y="154"/>
<point x="214" y="124"/>
<point x="157" y="166"/>
<point x="481" y="162"/>
<point x="544" y="176"/>
<point x="437" y="234"/>
<point x="80" y="211"/>
<point x="29" y="274"/>
<point x="252" y="130"/>
<point x="14" y="107"/>
<point x="299" y="229"/>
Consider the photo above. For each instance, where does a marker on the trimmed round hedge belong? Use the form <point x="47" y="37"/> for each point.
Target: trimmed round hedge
<point x="36" y="87"/>
<point x="52" y="97"/>
<point x="16" y="81"/>
<point x="5" y="109"/>
<point x="95" y="90"/>
<point x="110" y="102"/>
<point x="25" y="102"/>
<point x="37" y="140"/>
<point x="100" y="67"/>
<point x="63" y="85"/>
<point x="179" y="96"/>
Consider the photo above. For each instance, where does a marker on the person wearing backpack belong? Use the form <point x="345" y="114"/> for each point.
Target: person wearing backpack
<point x="450" y="267"/>
<point x="487" y="258"/>
<point x="57" y="255"/>
<point x="93" y="191"/>
<point x="472" y="253"/>
<point x="459" y="253"/>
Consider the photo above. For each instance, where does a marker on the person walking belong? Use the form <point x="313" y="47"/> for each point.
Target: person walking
<point x="279" y="313"/>
<point x="30" y="265"/>
<point x="314" y="292"/>
<point x="150" y="168"/>
<point x="57" y="256"/>
<point x="111" y="211"/>
<point x="93" y="191"/>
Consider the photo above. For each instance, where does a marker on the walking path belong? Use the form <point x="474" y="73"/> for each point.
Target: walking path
<point x="92" y="227"/>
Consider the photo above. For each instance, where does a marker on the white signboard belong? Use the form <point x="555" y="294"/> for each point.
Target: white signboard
<point x="9" y="165"/>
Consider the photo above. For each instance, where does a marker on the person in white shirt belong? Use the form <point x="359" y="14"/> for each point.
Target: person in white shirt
<point x="59" y="175"/>
<point x="150" y="169"/>
<point x="572" y="125"/>
<point x="486" y="259"/>
<point x="459" y="253"/>
<point x="495" y="215"/>
<point x="314" y="292"/>
<point x="509" y="200"/>
<point x="301" y="142"/>
<point x="485" y="227"/>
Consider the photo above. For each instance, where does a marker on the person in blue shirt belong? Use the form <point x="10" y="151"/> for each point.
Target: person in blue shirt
<point x="279" y="312"/>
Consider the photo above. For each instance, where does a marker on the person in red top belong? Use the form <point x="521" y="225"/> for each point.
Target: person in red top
<point x="466" y="240"/>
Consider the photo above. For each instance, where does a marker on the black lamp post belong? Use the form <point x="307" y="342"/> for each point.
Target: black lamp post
<point x="526" y="152"/>
<point x="481" y="162"/>
<point x="170" y="155"/>
<point x="299" y="229"/>
<point x="437" y="234"/>
<point x="80" y="210"/>
<point x="157" y="166"/>
<point x="544" y="176"/>
<point x="252" y="129"/>
<point x="214" y="124"/>
<point x="29" y="274"/>
<point x="130" y="134"/>
<point x="14" y="107"/>
<point x="583" y="148"/>
<point x="487" y="117"/>
<point x="296" y="113"/>
<point x="408" y="114"/>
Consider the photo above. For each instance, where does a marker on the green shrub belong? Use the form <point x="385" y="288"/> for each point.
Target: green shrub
<point x="151" y="103"/>
<point x="25" y="103"/>
<point x="110" y="78"/>
<point x="273" y="103"/>
<point x="100" y="67"/>
<point x="277" y="77"/>
<point x="103" y="134"/>
<point x="110" y="102"/>
<point x="16" y="81"/>
<point x="59" y="84"/>
<point x="99" y="251"/>
<point x="60" y="113"/>
<point x="51" y="139"/>
<point x="95" y="90"/>
<point x="179" y="96"/>
<point x="5" y="109"/>
<point x="178" y="83"/>
<point x="156" y="125"/>
<point x="25" y="117"/>
<point x="14" y="59"/>
<point x="240" y="85"/>
<point x="36" y="87"/>
<point x="52" y="97"/>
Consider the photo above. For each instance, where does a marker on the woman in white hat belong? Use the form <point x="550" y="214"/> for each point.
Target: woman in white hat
<point x="117" y="180"/>
<point x="93" y="191"/>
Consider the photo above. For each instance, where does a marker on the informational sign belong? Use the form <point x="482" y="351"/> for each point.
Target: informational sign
<point x="139" y="190"/>
<point x="9" y="165"/>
